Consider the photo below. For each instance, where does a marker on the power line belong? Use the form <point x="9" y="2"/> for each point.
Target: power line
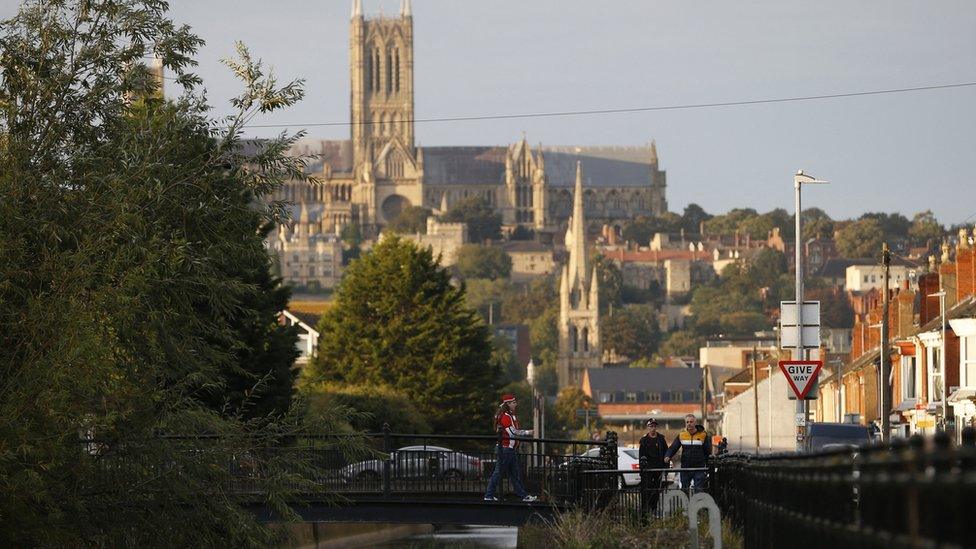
<point x="625" y="110"/>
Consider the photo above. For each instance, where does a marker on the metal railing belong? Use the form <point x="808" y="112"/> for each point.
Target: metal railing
<point x="395" y="465"/>
<point x="631" y="495"/>
<point x="901" y="495"/>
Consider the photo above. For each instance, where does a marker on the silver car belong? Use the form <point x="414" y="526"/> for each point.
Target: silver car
<point x="417" y="462"/>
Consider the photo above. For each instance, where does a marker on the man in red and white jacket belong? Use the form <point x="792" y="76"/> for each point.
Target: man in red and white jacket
<point x="507" y="427"/>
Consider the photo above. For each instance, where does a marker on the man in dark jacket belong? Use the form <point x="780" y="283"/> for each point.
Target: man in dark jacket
<point x="696" y="447"/>
<point x="651" y="453"/>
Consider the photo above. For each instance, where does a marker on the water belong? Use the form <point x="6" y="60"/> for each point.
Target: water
<point x="494" y="537"/>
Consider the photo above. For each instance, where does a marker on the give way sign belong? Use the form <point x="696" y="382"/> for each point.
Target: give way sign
<point x="801" y="375"/>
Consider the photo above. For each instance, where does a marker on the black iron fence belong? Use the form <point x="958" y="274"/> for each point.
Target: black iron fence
<point x="633" y="496"/>
<point x="393" y="464"/>
<point x="908" y="494"/>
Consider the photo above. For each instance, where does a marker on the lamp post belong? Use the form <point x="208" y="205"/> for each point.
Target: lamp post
<point x="799" y="180"/>
<point x="941" y="294"/>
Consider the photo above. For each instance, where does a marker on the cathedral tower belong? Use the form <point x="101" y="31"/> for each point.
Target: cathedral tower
<point x="381" y="71"/>
<point x="579" y="302"/>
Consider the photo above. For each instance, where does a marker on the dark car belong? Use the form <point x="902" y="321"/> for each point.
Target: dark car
<point x="830" y="436"/>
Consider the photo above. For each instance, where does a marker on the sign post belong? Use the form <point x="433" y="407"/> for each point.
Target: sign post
<point x="802" y="376"/>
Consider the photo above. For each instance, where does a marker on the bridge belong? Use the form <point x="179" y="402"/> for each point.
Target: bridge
<point x="910" y="493"/>
<point x="400" y="478"/>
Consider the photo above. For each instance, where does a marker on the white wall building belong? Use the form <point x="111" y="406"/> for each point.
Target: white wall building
<point x="777" y="432"/>
<point x="861" y="278"/>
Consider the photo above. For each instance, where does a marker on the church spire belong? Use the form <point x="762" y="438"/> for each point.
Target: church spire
<point x="405" y="9"/>
<point x="654" y="152"/>
<point x="357" y="9"/>
<point x="576" y="237"/>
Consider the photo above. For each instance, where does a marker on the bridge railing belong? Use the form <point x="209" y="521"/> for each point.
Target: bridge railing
<point x="461" y="465"/>
<point x="631" y="496"/>
<point x="394" y="465"/>
<point x="900" y="495"/>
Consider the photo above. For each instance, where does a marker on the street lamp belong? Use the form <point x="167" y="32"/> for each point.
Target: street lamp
<point x="941" y="294"/>
<point x="799" y="180"/>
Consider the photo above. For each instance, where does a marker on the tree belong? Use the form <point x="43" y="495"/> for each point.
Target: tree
<point x="861" y="239"/>
<point x="631" y="331"/>
<point x="611" y="282"/>
<point x="351" y="235"/>
<point x="894" y="226"/>
<point x="817" y="224"/>
<point x="476" y="261"/>
<point x="483" y="223"/>
<point x="131" y="231"/>
<point x="925" y="228"/>
<point x="693" y="217"/>
<point x="569" y="400"/>
<point x="398" y="322"/>
<point x="412" y="220"/>
<point x="681" y="343"/>
<point x="642" y="228"/>
<point x="729" y="223"/>
<point x="373" y="406"/>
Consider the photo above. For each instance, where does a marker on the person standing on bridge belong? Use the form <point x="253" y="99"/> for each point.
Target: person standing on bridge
<point x="507" y="427"/>
<point x="653" y="447"/>
<point x="696" y="447"/>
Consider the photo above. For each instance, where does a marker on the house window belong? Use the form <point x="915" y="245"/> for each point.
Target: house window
<point x="908" y="377"/>
<point x="676" y="396"/>
<point x="631" y="397"/>
<point x="874" y="278"/>
<point x="311" y="271"/>
<point x="654" y="397"/>
<point x="606" y="397"/>
<point x="865" y="281"/>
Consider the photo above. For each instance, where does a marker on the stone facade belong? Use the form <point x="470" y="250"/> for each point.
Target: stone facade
<point x="444" y="239"/>
<point x="309" y="259"/>
<point x="370" y="178"/>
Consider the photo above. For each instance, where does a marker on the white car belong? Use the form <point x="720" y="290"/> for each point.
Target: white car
<point x="627" y="458"/>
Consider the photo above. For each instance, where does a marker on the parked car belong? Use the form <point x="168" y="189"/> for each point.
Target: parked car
<point x="828" y="436"/>
<point x="627" y="458"/>
<point x="417" y="462"/>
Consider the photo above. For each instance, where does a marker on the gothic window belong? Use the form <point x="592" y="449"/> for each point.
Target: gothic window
<point x="574" y="338"/>
<point x="394" y="165"/>
<point x="368" y="70"/>
<point x="396" y="69"/>
<point x="389" y="72"/>
<point x="376" y="70"/>
<point x="586" y="340"/>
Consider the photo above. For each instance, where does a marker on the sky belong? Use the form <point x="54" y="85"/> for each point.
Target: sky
<point x="903" y="152"/>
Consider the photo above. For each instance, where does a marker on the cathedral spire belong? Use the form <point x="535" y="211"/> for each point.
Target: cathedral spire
<point x="576" y="237"/>
<point x="405" y="9"/>
<point x="654" y="152"/>
<point x="357" y="9"/>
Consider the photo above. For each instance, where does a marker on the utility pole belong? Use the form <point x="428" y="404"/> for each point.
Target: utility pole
<point x="885" y="358"/>
<point x="755" y="396"/>
<point x="801" y="405"/>
<point x="704" y="409"/>
<point x="840" y="391"/>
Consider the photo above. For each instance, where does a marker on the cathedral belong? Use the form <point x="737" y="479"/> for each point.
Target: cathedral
<point x="377" y="173"/>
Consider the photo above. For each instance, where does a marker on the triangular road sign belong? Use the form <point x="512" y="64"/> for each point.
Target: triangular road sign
<point x="801" y="374"/>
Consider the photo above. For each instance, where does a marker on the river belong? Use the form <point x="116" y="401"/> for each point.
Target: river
<point x="495" y="537"/>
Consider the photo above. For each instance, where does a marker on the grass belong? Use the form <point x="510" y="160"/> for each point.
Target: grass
<point x="599" y="529"/>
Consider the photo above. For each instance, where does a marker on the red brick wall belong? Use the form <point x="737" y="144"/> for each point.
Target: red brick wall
<point x="964" y="273"/>
<point x="952" y="360"/>
<point x="928" y="284"/>
<point x="948" y="273"/>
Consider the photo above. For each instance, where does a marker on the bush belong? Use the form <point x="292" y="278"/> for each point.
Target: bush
<point x="374" y="406"/>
